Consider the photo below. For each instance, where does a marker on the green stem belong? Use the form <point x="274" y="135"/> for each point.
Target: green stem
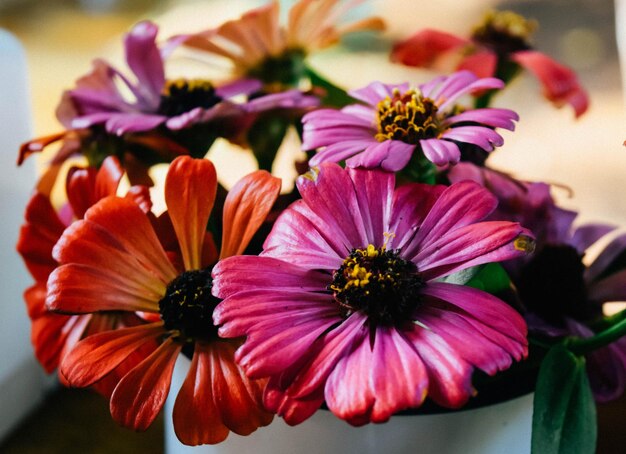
<point x="581" y="346"/>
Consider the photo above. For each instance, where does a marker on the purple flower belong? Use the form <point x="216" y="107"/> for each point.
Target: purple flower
<point x="106" y="96"/>
<point x="346" y="303"/>
<point x="529" y="203"/>
<point x="395" y="121"/>
<point x="563" y="296"/>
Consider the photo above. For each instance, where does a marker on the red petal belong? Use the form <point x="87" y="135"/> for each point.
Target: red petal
<point x="38" y="236"/>
<point x="37" y="145"/>
<point x="190" y="189"/>
<point x="140" y="395"/>
<point x="97" y="355"/>
<point x="560" y="84"/>
<point x="245" y="209"/>
<point x="483" y="64"/>
<point x="216" y="397"/>
<point x="425" y="47"/>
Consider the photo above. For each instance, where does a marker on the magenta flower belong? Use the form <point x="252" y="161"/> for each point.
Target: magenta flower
<point x="346" y="304"/>
<point x="178" y="104"/>
<point x="397" y="121"/>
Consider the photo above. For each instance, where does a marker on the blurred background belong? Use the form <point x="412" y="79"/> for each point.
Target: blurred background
<point x="61" y="37"/>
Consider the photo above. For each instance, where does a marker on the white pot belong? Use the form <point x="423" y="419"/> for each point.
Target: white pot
<point x="497" y="429"/>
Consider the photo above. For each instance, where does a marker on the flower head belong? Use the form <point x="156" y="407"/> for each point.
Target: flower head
<point x="564" y="295"/>
<point x="274" y="53"/>
<point x="396" y="121"/>
<point x="115" y="260"/>
<point x="54" y="335"/>
<point x="177" y="104"/>
<point x="499" y="46"/>
<point x="345" y="304"/>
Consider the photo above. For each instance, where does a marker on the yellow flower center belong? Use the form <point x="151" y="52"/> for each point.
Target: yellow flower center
<point x="182" y="95"/>
<point x="379" y="283"/>
<point x="408" y="117"/>
<point x="505" y="31"/>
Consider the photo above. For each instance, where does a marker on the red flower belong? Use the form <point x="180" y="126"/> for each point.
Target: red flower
<point x="53" y="335"/>
<point x="498" y="47"/>
<point x="114" y="261"/>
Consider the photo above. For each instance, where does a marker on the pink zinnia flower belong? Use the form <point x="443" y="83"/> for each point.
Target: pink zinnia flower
<point x="396" y="121"/>
<point x="114" y="260"/>
<point x="346" y="304"/>
<point x="498" y="47"/>
<point x="155" y="101"/>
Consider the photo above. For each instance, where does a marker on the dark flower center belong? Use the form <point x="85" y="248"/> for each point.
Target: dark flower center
<point x="504" y="32"/>
<point x="188" y="306"/>
<point x="286" y="69"/>
<point x="552" y="285"/>
<point x="408" y="117"/>
<point x="182" y="95"/>
<point x="379" y="283"/>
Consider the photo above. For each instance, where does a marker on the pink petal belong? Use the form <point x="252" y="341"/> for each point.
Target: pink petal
<point x="440" y="152"/>
<point x="482" y="63"/>
<point x="424" y="48"/>
<point x="144" y="59"/>
<point x="560" y="84"/>
<point x="241" y="273"/>
<point x="389" y="155"/>
<point x="373" y="382"/>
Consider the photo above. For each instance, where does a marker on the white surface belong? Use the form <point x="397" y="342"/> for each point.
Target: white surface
<point x="21" y="381"/>
<point x="503" y="428"/>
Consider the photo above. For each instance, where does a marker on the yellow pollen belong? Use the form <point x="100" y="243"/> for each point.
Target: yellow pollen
<point x="407" y="116"/>
<point x="524" y="243"/>
<point x="187" y="84"/>
<point x="507" y="22"/>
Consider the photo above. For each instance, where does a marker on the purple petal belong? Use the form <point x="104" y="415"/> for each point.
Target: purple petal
<point x="612" y="251"/>
<point x="390" y="155"/>
<point x="144" y="59"/>
<point x="326" y="127"/>
<point x="611" y="288"/>
<point x="339" y="151"/>
<point x="585" y="235"/>
<point x="440" y="152"/>
<point x="497" y="118"/>
<point x="122" y="123"/>
<point x="293" y="99"/>
<point x="606" y="367"/>
<point x="224" y="109"/>
<point x="377" y="91"/>
<point x="238" y="87"/>
<point x="480" y="136"/>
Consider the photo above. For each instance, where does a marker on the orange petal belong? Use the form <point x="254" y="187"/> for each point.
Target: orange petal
<point x="245" y="209"/>
<point x="97" y="355"/>
<point x="140" y="395"/>
<point x="190" y="189"/>
<point x="197" y="420"/>
<point x="37" y="145"/>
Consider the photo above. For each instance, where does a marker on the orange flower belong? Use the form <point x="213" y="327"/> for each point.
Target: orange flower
<point x="257" y="38"/>
<point x="114" y="261"/>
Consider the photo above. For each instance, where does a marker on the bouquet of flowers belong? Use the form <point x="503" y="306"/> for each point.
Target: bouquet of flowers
<point x="401" y="272"/>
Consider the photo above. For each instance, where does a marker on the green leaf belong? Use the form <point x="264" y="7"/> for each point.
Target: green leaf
<point x="564" y="413"/>
<point x="335" y="96"/>
<point x="491" y="278"/>
<point x="265" y="137"/>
